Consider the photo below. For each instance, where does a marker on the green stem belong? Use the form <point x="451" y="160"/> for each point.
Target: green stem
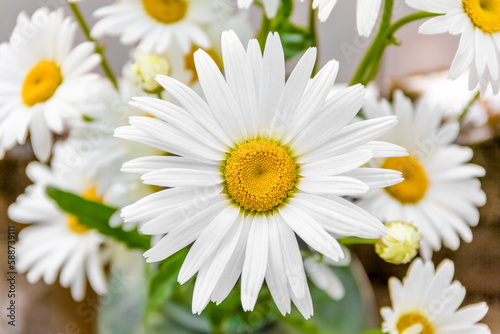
<point x="264" y="31"/>
<point x="464" y="112"/>
<point x="368" y="68"/>
<point x="98" y="49"/>
<point x="356" y="241"/>
<point x="314" y="36"/>
<point x="376" y="48"/>
<point x="408" y="19"/>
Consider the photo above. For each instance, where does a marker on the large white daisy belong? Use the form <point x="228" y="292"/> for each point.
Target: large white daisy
<point x="258" y="161"/>
<point x="441" y="191"/>
<point x="156" y="24"/>
<point x="478" y="21"/>
<point x="426" y="302"/>
<point x="56" y="243"/>
<point x="43" y="81"/>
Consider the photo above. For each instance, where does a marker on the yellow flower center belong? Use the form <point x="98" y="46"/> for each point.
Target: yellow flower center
<point x="41" y="83"/>
<point x="411" y="319"/>
<point x="484" y="14"/>
<point x="73" y="224"/>
<point x="189" y="61"/>
<point x="415" y="183"/>
<point x="259" y="175"/>
<point x="166" y="11"/>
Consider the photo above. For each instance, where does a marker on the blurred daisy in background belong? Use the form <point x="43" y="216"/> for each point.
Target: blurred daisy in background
<point x="180" y="65"/>
<point x="427" y="300"/>
<point x="157" y="24"/>
<point x="441" y="191"/>
<point x="256" y="165"/>
<point x="43" y="80"/>
<point x="56" y="243"/>
<point x="478" y="23"/>
<point x="92" y="147"/>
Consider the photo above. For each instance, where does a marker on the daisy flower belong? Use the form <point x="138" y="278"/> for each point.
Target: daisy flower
<point x="155" y="24"/>
<point x="367" y="13"/>
<point x="441" y="191"/>
<point x="92" y="147"/>
<point x="43" y="81"/>
<point x="56" y="243"/>
<point x="180" y="65"/>
<point x="426" y="302"/>
<point x="478" y="23"/>
<point x="257" y="162"/>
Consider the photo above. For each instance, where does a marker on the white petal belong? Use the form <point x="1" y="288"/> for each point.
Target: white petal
<point x="256" y="257"/>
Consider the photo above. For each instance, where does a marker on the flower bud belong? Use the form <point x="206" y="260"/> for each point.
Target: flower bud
<point x="145" y="69"/>
<point x="400" y="244"/>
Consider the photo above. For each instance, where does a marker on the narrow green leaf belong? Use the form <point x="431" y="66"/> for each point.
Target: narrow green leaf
<point x="162" y="284"/>
<point x="96" y="216"/>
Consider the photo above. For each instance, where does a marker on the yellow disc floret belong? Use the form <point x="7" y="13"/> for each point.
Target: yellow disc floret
<point x="41" y="83"/>
<point x="259" y="175"/>
<point x="166" y="11"/>
<point x="415" y="183"/>
<point x="73" y="224"/>
<point x="414" y="319"/>
<point x="484" y="14"/>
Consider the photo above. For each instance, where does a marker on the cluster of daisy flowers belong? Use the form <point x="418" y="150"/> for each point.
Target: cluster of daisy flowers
<point x="206" y="143"/>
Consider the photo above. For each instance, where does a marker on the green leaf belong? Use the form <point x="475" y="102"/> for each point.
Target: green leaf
<point x="96" y="216"/>
<point x="295" y="41"/>
<point x="162" y="284"/>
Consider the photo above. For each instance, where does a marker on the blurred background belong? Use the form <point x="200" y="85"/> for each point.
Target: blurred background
<point x="50" y="309"/>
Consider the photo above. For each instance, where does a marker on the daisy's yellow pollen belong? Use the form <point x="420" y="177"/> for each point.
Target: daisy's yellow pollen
<point x="411" y="319"/>
<point x="484" y="14"/>
<point x="189" y="61"/>
<point x="41" y="83"/>
<point x="166" y="11"/>
<point x="73" y="224"/>
<point x="415" y="183"/>
<point x="260" y="174"/>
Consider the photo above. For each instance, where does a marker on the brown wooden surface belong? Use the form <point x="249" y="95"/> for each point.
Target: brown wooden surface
<point x="50" y="309"/>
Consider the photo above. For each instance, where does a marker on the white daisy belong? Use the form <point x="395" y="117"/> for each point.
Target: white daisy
<point x="441" y="190"/>
<point x="180" y="64"/>
<point x="478" y="21"/>
<point x="257" y="161"/>
<point x="426" y="302"/>
<point x="155" y="24"/>
<point x="56" y="242"/>
<point x="92" y="147"/>
<point x="367" y="13"/>
<point x="43" y="81"/>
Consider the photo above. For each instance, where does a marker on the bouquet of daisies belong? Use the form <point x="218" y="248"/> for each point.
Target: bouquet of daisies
<point x="230" y="184"/>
